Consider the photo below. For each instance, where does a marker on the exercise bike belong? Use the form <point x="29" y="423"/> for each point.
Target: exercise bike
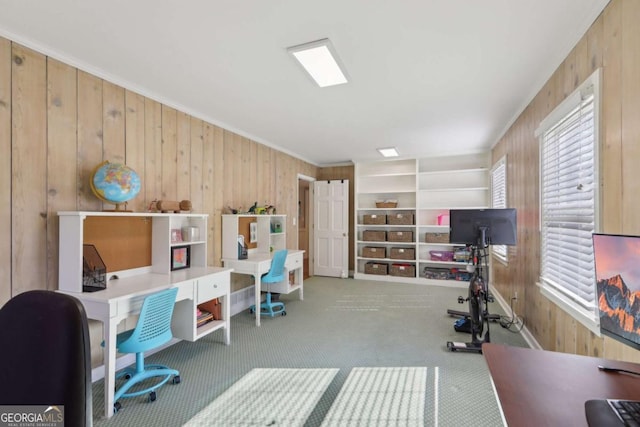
<point x="478" y="299"/>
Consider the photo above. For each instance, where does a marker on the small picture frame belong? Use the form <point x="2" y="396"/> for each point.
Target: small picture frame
<point x="180" y="257"/>
<point x="176" y="235"/>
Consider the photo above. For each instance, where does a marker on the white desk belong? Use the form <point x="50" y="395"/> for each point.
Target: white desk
<point x="124" y="297"/>
<point x="259" y="263"/>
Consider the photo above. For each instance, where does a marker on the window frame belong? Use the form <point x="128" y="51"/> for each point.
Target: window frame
<point x="583" y="311"/>
<point x="499" y="252"/>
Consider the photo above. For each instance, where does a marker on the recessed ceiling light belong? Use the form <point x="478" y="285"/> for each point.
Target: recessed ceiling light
<point x="319" y="59"/>
<point x="388" y="152"/>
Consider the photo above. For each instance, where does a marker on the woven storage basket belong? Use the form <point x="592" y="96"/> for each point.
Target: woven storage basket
<point x="436" y="237"/>
<point x="400" y="236"/>
<point x="376" y="268"/>
<point x="402" y="270"/>
<point x="400" y="219"/>
<point x="373" y="252"/>
<point x="402" y="253"/>
<point x="374" y="219"/>
<point x="387" y="204"/>
<point x="374" y="236"/>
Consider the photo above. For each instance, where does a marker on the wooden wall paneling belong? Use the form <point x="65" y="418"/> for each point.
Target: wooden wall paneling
<point x="568" y="74"/>
<point x="28" y="170"/>
<point x="630" y="114"/>
<point x="62" y="105"/>
<point x="152" y="150"/>
<point x="208" y="154"/>
<point x="242" y="190"/>
<point x="612" y="42"/>
<point x="244" y="176"/>
<point x="595" y="40"/>
<point x="286" y="185"/>
<point x="169" y="154"/>
<point x="265" y="170"/>
<point x="249" y="156"/>
<point x="218" y="200"/>
<point x="113" y="116"/>
<point x="196" y="164"/>
<point x="183" y="140"/>
<point x="230" y="192"/>
<point x="90" y="138"/>
<point x="135" y="144"/>
<point x="5" y="170"/>
<point x="581" y="66"/>
<point x="113" y="113"/>
<point x="611" y="113"/>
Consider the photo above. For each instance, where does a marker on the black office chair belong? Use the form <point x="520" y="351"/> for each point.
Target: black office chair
<point x="45" y="357"/>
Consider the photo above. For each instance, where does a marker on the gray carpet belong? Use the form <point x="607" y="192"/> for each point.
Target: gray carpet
<point x="342" y="324"/>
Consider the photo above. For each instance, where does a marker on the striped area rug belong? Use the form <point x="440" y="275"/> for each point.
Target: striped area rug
<point x="380" y="397"/>
<point x="267" y="397"/>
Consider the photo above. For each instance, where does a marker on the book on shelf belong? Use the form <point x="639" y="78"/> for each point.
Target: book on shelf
<point x="203" y="317"/>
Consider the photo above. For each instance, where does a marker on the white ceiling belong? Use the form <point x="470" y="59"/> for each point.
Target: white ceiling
<point x="427" y="76"/>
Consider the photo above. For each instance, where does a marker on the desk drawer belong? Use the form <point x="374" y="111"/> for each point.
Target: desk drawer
<point x="293" y="261"/>
<point x="211" y="287"/>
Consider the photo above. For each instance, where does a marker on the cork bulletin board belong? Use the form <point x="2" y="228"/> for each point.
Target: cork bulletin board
<point x="122" y="242"/>
<point x="244" y="228"/>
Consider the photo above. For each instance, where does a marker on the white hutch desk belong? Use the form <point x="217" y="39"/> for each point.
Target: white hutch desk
<point x="259" y="263"/>
<point x="263" y="234"/>
<point x="124" y="296"/>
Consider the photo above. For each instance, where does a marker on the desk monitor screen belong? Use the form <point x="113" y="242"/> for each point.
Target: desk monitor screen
<point x="618" y="286"/>
<point x="499" y="226"/>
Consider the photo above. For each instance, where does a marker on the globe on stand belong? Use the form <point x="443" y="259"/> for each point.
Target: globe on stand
<point x="115" y="183"/>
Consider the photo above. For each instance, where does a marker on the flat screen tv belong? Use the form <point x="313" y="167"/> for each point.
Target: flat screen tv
<point x="618" y="286"/>
<point x="483" y="227"/>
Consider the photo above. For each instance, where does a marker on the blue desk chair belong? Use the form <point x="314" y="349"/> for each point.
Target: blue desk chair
<point x="152" y="330"/>
<point x="276" y="274"/>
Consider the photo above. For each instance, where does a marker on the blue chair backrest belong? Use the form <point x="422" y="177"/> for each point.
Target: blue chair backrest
<point x="154" y="325"/>
<point x="276" y="272"/>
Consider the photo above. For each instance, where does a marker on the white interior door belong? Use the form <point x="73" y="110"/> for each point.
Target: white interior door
<point x="331" y="228"/>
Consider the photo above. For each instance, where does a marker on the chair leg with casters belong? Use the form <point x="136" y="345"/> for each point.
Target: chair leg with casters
<point x="269" y="307"/>
<point x="152" y="330"/>
<point x="140" y="373"/>
<point x="276" y="274"/>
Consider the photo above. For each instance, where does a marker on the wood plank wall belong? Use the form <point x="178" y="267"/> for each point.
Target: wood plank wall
<point x="612" y="43"/>
<point x="57" y="123"/>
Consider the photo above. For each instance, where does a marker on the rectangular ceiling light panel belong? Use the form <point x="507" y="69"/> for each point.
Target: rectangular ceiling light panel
<point x="388" y="152"/>
<point x="320" y="61"/>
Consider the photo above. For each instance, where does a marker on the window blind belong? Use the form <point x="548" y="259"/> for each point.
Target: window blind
<point x="499" y="198"/>
<point x="568" y="204"/>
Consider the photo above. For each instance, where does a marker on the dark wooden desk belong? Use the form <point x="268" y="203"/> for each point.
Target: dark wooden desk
<point x="545" y="388"/>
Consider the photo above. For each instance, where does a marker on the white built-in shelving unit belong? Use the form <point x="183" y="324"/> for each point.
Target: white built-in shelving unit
<point x="427" y="189"/>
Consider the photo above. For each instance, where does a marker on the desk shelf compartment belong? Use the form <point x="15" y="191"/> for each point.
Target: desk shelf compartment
<point x="270" y="233"/>
<point x="293" y="276"/>
<point x="208" y="290"/>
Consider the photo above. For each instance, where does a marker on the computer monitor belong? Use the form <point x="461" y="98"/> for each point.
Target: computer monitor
<point x="618" y="286"/>
<point x="483" y="227"/>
